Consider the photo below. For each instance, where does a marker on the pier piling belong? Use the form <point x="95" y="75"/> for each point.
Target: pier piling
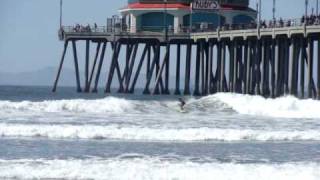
<point x="270" y="65"/>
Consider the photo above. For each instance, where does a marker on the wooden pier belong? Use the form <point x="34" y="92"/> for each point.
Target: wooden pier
<point x="271" y="62"/>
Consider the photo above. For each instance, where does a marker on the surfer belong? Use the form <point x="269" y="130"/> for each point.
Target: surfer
<point x="182" y="104"/>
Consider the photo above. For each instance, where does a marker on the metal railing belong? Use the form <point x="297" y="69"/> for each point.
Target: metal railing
<point x="84" y="29"/>
<point x="198" y="27"/>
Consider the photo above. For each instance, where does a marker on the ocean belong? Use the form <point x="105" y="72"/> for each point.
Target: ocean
<point x="224" y="136"/>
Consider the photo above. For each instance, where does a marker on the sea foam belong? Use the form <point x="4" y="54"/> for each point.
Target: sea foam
<point x="105" y="105"/>
<point x="153" y="169"/>
<point x="152" y="134"/>
<point x="283" y="107"/>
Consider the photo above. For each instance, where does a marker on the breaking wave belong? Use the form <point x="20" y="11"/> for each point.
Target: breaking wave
<point x="284" y="107"/>
<point x="109" y="104"/>
<point x="153" y="169"/>
<point x="153" y="134"/>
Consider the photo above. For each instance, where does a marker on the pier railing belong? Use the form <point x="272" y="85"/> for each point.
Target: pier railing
<point x="200" y="27"/>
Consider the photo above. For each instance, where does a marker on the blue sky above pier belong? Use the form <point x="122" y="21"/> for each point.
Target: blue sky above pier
<point x="28" y="28"/>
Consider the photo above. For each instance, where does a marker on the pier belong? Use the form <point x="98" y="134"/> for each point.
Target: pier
<point x="267" y="61"/>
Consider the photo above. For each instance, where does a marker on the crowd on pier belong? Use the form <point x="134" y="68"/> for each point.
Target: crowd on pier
<point x="311" y="20"/>
<point x="276" y="23"/>
<point x="87" y="28"/>
<point x="204" y="27"/>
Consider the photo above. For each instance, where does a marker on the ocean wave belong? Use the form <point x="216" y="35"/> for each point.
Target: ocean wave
<point x="153" y="134"/>
<point x="283" y="107"/>
<point x="105" y="105"/>
<point x="153" y="169"/>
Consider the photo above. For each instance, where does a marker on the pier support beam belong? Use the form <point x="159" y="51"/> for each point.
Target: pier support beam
<point x="86" y="86"/>
<point x="139" y="68"/>
<point x="286" y="65"/>
<point x="277" y="68"/>
<point x="125" y="77"/>
<point x="94" y="64"/>
<point x="257" y="74"/>
<point x="206" y="70"/>
<point x="60" y="66"/>
<point x="210" y="63"/>
<point x="76" y="65"/>
<point x="219" y="62"/>
<point x="167" y="73"/>
<point x="233" y="87"/>
<point x="197" y="75"/>
<point x="231" y="64"/>
<point x="273" y="73"/>
<point x="239" y="60"/>
<point x="95" y="88"/>
<point x="318" y="73"/>
<point x="222" y="68"/>
<point x="267" y="68"/>
<point x="177" y="91"/>
<point x="187" y="71"/>
<point x="297" y="51"/>
<point x="130" y="68"/>
<point x="263" y="67"/>
<point x="163" y="65"/>
<point x="310" y="67"/>
<point x="248" y="67"/>
<point x="113" y="67"/>
<point x="156" y="55"/>
<point x="202" y="62"/>
<point x="291" y="66"/>
<point x="302" y="67"/>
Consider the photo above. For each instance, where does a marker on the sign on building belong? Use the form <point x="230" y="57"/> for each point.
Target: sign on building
<point x="205" y="5"/>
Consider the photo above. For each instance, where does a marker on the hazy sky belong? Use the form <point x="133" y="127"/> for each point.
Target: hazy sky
<point x="28" y="28"/>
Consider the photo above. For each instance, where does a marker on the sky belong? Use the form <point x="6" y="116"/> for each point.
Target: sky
<point x="28" y="28"/>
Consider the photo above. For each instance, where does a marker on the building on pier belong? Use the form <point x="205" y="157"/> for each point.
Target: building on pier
<point x="153" y="15"/>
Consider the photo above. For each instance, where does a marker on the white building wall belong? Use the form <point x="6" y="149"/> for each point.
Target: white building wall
<point x="133" y="25"/>
<point x="178" y="22"/>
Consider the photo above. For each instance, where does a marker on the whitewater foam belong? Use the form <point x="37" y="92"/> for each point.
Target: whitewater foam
<point x="154" y="169"/>
<point x="108" y="104"/>
<point x="152" y="134"/>
<point x="283" y="107"/>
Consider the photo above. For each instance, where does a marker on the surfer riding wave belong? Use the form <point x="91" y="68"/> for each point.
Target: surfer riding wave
<point x="182" y="104"/>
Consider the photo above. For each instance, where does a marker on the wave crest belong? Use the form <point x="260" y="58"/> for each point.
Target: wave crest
<point x="109" y="104"/>
<point x="283" y="107"/>
<point x="152" y="134"/>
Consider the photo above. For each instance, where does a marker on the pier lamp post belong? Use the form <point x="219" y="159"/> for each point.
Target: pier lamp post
<point x="219" y="19"/>
<point x="306" y="2"/>
<point x="61" y="14"/>
<point x="190" y="17"/>
<point x="317" y="7"/>
<point x="274" y="10"/>
<point x="165" y="19"/>
<point x="306" y="7"/>
<point x="259" y="15"/>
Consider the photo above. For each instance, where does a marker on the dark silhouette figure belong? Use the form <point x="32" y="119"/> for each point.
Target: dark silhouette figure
<point x="182" y="103"/>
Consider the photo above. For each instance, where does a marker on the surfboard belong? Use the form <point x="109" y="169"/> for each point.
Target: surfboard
<point x="182" y="111"/>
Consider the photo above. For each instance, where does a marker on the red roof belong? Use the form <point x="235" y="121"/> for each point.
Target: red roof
<point x="153" y="6"/>
<point x="178" y="6"/>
